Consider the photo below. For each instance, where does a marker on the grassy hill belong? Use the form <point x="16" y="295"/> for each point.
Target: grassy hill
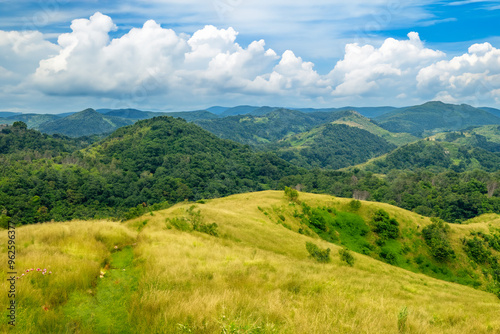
<point x="260" y="130"/>
<point x="355" y="119"/>
<point x="486" y="137"/>
<point x="433" y="117"/>
<point x="84" y="123"/>
<point x="332" y="146"/>
<point x="436" y="156"/>
<point x="155" y="275"/>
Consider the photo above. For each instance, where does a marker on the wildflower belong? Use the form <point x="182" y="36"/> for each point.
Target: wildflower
<point x="22" y="275"/>
<point x="43" y="273"/>
<point x="50" y="272"/>
<point x="116" y="247"/>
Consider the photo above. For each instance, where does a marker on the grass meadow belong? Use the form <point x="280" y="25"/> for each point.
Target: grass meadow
<point x="255" y="276"/>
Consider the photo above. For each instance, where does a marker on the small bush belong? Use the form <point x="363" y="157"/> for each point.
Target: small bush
<point x="346" y="256"/>
<point x="291" y="194"/>
<point x="320" y="255"/>
<point x="389" y="256"/>
<point x="436" y="237"/>
<point x="354" y="205"/>
<point x="402" y="318"/>
<point x="385" y="227"/>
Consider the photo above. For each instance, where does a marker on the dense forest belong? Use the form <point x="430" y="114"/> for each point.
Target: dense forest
<point x="160" y="161"/>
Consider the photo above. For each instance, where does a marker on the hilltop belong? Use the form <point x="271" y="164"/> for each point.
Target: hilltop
<point x="84" y="123"/>
<point x="435" y="116"/>
<point x="249" y="273"/>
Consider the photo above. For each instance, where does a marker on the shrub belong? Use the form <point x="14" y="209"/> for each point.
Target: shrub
<point x="346" y="256"/>
<point x="388" y="255"/>
<point x="436" y="237"/>
<point x="320" y="255"/>
<point x="291" y="194"/>
<point x="355" y="205"/>
<point x="476" y="249"/>
<point x="385" y="227"/>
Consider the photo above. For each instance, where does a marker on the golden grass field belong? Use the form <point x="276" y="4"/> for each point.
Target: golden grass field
<point x="255" y="277"/>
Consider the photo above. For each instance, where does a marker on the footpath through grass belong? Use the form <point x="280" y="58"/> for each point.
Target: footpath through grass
<point x="104" y="309"/>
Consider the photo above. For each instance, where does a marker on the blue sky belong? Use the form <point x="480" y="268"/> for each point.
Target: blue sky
<point x="190" y="54"/>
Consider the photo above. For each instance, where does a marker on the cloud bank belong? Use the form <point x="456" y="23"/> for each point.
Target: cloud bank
<point x="155" y="67"/>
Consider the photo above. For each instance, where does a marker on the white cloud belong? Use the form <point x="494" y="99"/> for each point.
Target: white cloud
<point x="389" y="70"/>
<point x="471" y="77"/>
<point x="155" y="67"/>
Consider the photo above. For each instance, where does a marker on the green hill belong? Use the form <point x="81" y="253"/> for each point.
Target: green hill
<point x="155" y="161"/>
<point x="355" y="119"/>
<point x="433" y="117"/>
<point x="486" y="137"/>
<point x="84" y="123"/>
<point x="435" y="156"/>
<point x="155" y="274"/>
<point x="332" y="146"/>
<point x="32" y="120"/>
<point x="258" y="131"/>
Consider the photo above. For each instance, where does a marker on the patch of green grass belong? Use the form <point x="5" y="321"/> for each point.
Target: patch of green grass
<point x="104" y="309"/>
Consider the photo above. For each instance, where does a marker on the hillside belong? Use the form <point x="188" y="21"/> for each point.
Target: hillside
<point x="258" y="131"/>
<point x="253" y="275"/>
<point x="32" y="120"/>
<point x="155" y="161"/>
<point x="332" y="146"/>
<point x="433" y="117"/>
<point x="355" y="119"/>
<point x="486" y="137"/>
<point x="84" y="123"/>
<point x="369" y="112"/>
<point x="434" y="156"/>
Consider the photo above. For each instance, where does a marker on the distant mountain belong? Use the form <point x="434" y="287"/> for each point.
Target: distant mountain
<point x="332" y="146"/>
<point x="129" y="113"/>
<point x="217" y="109"/>
<point x="259" y="131"/>
<point x="192" y="116"/>
<point x="433" y="117"/>
<point x="31" y="120"/>
<point x="263" y="111"/>
<point x="8" y="114"/>
<point x="435" y="156"/>
<point x="369" y="112"/>
<point x="493" y="111"/>
<point x="239" y="110"/>
<point x="84" y="123"/>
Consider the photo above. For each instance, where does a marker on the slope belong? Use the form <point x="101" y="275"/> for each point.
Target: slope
<point x="254" y="276"/>
<point x="486" y="137"/>
<point x="259" y="131"/>
<point x="435" y="156"/>
<point x="355" y="119"/>
<point x="32" y="120"/>
<point x="332" y="146"/>
<point x="84" y="123"/>
<point x="433" y="117"/>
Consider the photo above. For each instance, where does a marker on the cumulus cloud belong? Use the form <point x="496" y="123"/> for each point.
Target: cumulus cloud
<point x="391" y="68"/>
<point x="473" y="76"/>
<point x="154" y="66"/>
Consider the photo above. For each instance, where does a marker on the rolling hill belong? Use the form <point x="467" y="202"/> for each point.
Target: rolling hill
<point x="32" y="120"/>
<point x="355" y="119"/>
<point x="258" y="131"/>
<point x="433" y="117"/>
<point x="84" y="123"/>
<point x="434" y="156"/>
<point x="155" y="274"/>
<point x="332" y="146"/>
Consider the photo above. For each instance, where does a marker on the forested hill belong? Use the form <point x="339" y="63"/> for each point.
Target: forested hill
<point x="435" y="156"/>
<point x="84" y="123"/>
<point x="157" y="160"/>
<point x="435" y="116"/>
<point x="260" y="130"/>
<point x="332" y="146"/>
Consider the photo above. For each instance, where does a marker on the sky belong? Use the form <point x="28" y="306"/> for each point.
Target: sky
<point x="175" y="55"/>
